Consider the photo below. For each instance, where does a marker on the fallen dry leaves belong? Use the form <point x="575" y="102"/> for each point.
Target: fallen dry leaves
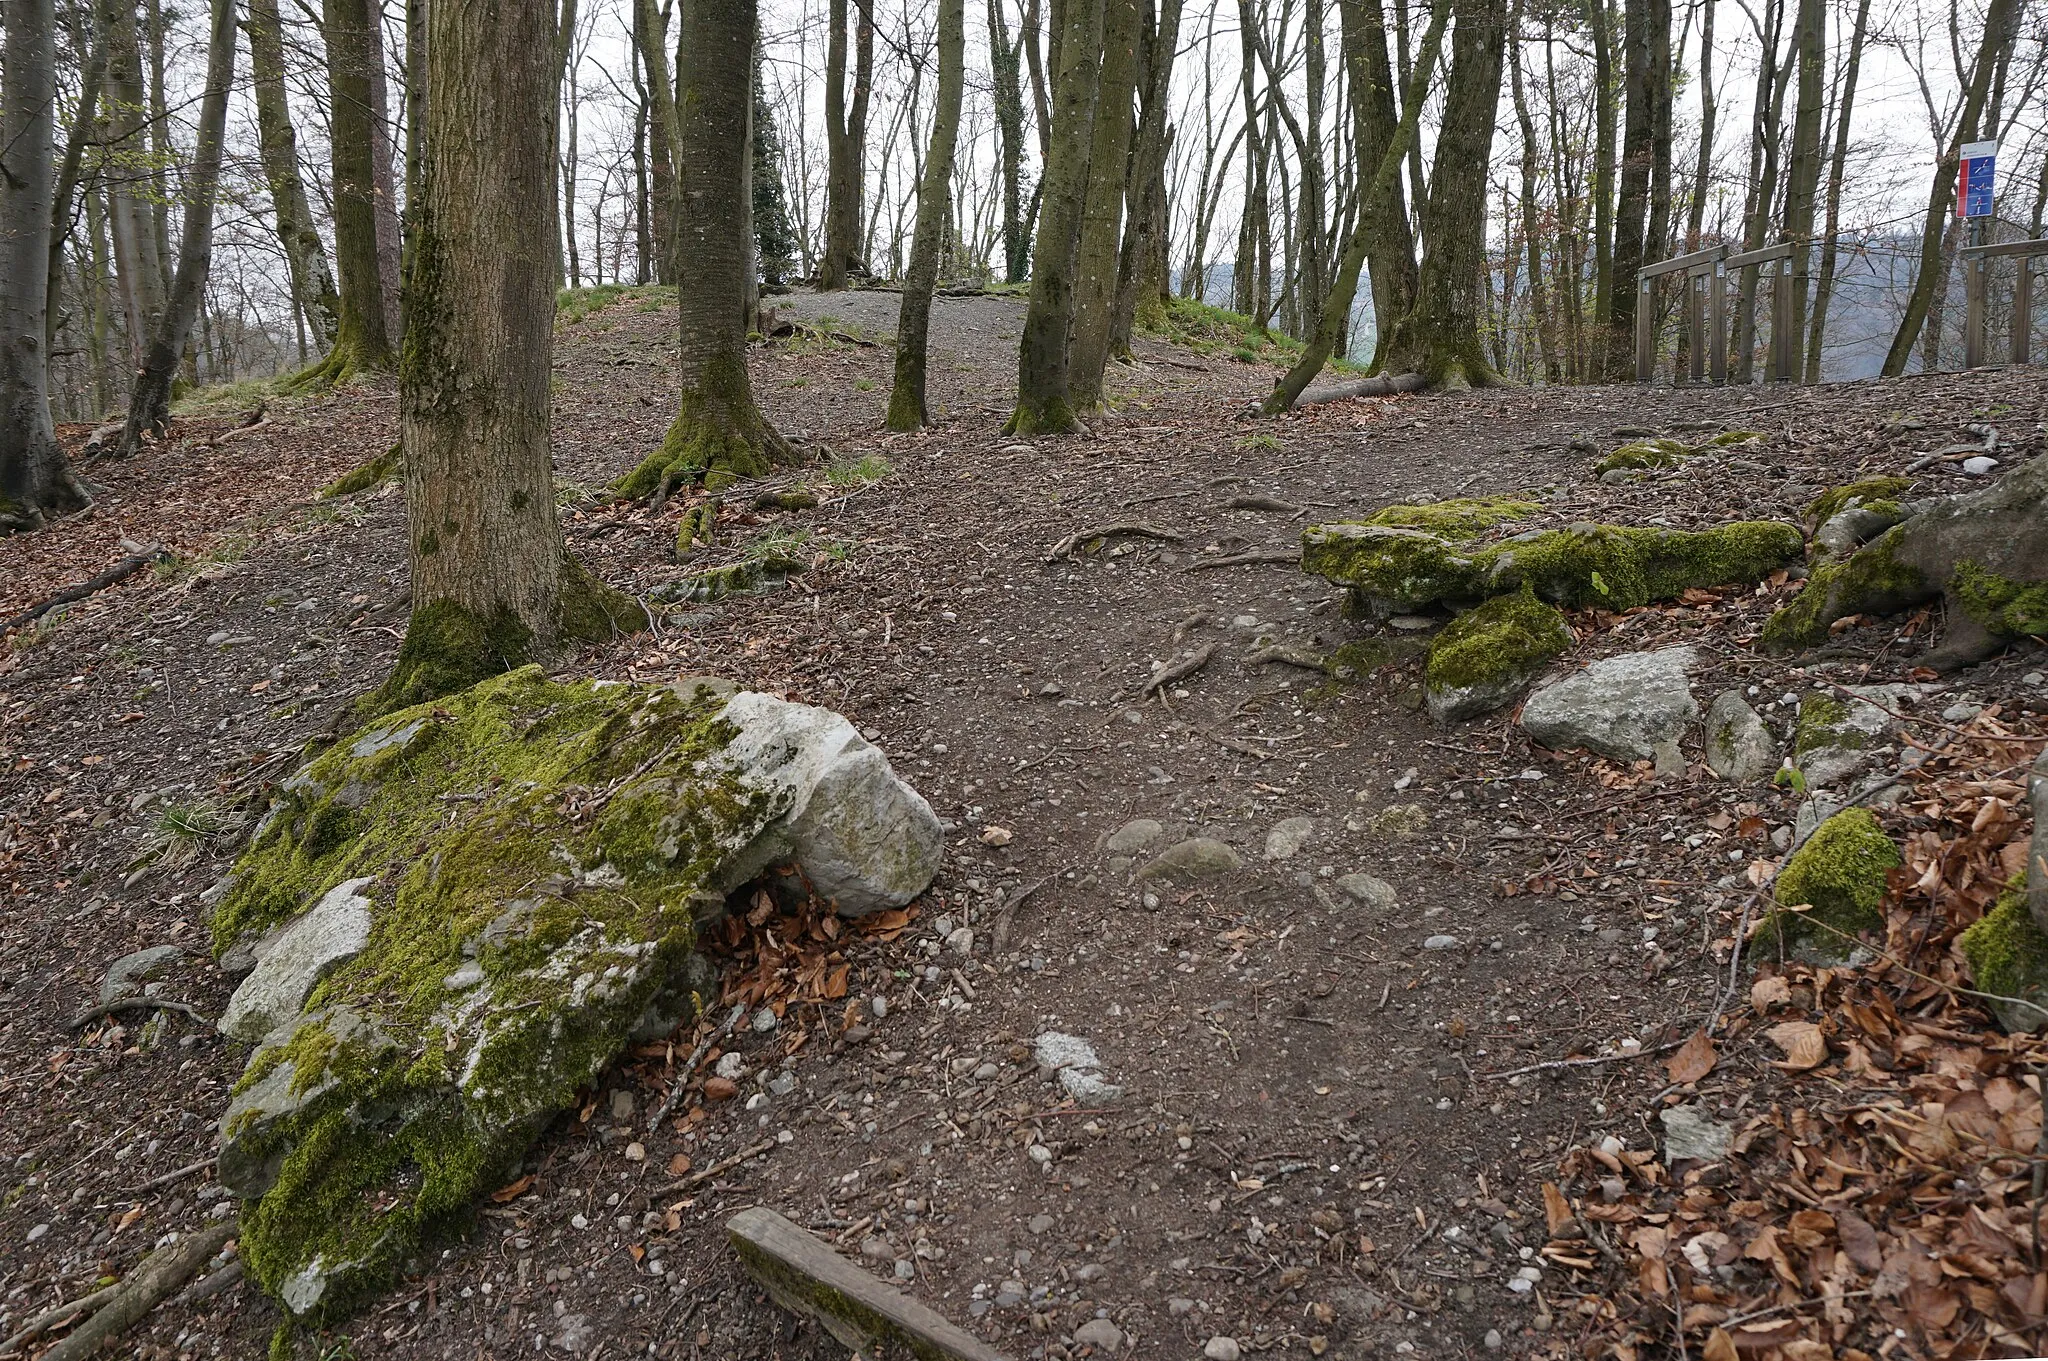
<point x="1881" y="1196"/>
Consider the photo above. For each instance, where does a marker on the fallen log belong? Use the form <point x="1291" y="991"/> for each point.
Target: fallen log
<point x="120" y="571"/>
<point x="1380" y="385"/>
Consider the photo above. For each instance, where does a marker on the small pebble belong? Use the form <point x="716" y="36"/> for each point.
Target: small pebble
<point x="1221" y="1348"/>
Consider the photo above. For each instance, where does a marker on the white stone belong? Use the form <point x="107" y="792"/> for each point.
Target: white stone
<point x="1221" y="1348"/>
<point x="1624" y="708"/>
<point x="1287" y="838"/>
<point x="864" y="838"/>
<point x="333" y="932"/>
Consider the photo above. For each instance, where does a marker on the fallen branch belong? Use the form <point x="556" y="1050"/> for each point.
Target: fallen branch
<point x="157" y="1183"/>
<point x="1180" y="670"/>
<point x="156" y="1277"/>
<point x="721" y="1167"/>
<point x="51" y="1319"/>
<point x="1128" y="528"/>
<point x="120" y="571"/>
<point x="1556" y="1064"/>
<point x="1385" y="385"/>
<point x="91" y="1014"/>
<point x="682" y="1077"/>
<point x="1243" y="559"/>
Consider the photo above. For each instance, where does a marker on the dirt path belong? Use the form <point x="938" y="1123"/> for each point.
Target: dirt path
<point x="1309" y="1153"/>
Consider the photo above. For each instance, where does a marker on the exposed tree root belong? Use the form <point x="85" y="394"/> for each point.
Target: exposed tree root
<point x="91" y="1014"/>
<point x="383" y="468"/>
<point x="1245" y="559"/>
<point x="1120" y="528"/>
<point x="714" y="441"/>
<point x="1180" y="670"/>
<point x="119" y="1308"/>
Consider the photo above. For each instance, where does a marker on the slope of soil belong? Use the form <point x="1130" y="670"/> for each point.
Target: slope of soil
<point x="1319" y="1147"/>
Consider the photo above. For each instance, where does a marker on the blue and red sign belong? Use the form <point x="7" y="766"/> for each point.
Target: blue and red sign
<point x="1975" y="177"/>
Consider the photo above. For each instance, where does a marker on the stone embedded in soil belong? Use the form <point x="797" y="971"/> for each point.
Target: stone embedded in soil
<point x="1075" y="1064"/>
<point x="1133" y="836"/>
<point x="1369" y="891"/>
<point x="1196" y="858"/>
<point x="1840" y="736"/>
<point x="332" y="933"/>
<point x="1221" y="1348"/>
<point x="1839" y="877"/>
<point x="131" y="973"/>
<point x="532" y="861"/>
<point x="1625" y="708"/>
<point x="1739" y="746"/>
<point x="1288" y="836"/>
<point x="1100" y="1334"/>
<point x="1690" y="1134"/>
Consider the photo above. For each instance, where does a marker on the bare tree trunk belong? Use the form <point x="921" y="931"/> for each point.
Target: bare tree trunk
<point x="1802" y="180"/>
<point x="719" y="433"/>
<point x="1252" y="280"/>
<point x="491" y="584"/>
<point x="365" y="339"/>
<point x="1646" y="49"/>
<point x="133" y="220"/>
<point x="1532" y="242"/>
<point x="650" y="34"/>
<point x="1836" y="166"/>
<point x="1102" y="217"/>
<point x="1703" y="170"/>
<point x="1389" y="240"/>
<point x="846" y="128"/>
<point x="1998" y="30"/>
<point x="1772" y="75"/>
<point x="312" y="285"/>
<point x="1600" y="22"/>
<point x="35" y="484"/>
<point x="1006" y="80"/>
<point x="149" y="404"/>
<point x="1144" y="244"/>
<point x="93" y="55"/>
<point x="1440" y="336"/>
<point x="907" y="409"/>
<point x="1043" y="402"/>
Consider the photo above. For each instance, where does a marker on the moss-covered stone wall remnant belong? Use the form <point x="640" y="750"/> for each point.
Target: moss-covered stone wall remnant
<point x="534" y="859"/>
<point x="1839" y="876"/>
<point x="1488" y="654"/>
<point x="1393" y="569"/>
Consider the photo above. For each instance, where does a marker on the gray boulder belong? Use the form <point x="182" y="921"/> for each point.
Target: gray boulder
<point x="1628" y="708"/>
<point x="131" y="974"/>
<point x="1840" y="736"/>
<point x="1369" y="891"/>
<point x="1739" y="745"/>
<point x="331" y="934"/>
<point x="1199" y="857"/>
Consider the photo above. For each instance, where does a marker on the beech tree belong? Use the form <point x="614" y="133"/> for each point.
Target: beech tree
<point x="1096" y="252"/>
<point x="846" y="134"/>
<point x="312" y="282"/>
<point x="907" y="409"/>
<point x="35" y="483"/>
<point x="492" y="585"/>
<point x="719" y="433"/>
<point x="149" y="402"/>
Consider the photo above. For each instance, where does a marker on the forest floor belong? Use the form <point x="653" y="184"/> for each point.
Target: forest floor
<point x="1321" y="1145"/>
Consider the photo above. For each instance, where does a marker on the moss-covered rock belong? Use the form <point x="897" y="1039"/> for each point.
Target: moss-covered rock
<point x="2000" y="605"/>
<point x="1875" y="492"/>
<point x="1489" y="653"/>
<point x="1461" y="517"/>
<point x="1395" y="569"/>
<point x="735" y="578"/>
<point x="535" y="859"/>
<point x="2008" y="956"/>
<point x="1643" y="455"/>
<point x="1839" y="876"/>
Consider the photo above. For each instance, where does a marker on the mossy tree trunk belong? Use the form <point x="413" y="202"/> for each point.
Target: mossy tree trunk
<point x="1440" y="337"/>
<point x="149" y="402"/>
<point x="1139" y="266"/>
<point x="719" y="433"/>
<point x="491" y="585"/>
<point x="913" y="324"/>
<point x="34" y="482"/>
<point x="364" y="340"/>
<point x="1389" y="239"/>
<point x="1044" y="403"/>
<point x="1103" y="211"/>
<point x="312" y="282"/>
<point x="1984" y="554"/>
<point x="1374" y="199"/>
<point x="846" y="132"/>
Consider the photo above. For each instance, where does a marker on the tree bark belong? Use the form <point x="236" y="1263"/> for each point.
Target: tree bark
<point x="1696" y="211"/>
<point x="1998" y="27"/>
<point x="93" y="56"/>
<point x="132" y="220"/>
<point x="907" y="410"/>
<point x="1802" y="180"/>
<point x="35" y="484"/>
<point x="1102" y="215"/>
<point x="298" y="233"/>
<point x="1389" y="237"/>
<point x="149" y="404"/>
<point x="491" y="585"/>
<point x="1440" y="336"/>
<point x="719" y="433"/>
<point x="1007" y="87"/>
<point x="1600" y="21"/>
<point x="1836" y="166"/>
<point x="1375" y="197"/>
<point x="1646" y="44"/>
<point x="846" y="128"/>
<point x="1044" y="405"/>
<point x="1532" y="235"/>
<point x="1144" y="236"/>
<point x="365" y="339"/>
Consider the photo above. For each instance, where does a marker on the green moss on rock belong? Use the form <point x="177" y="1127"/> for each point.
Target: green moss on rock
<point x="1840" y="872"/>
<point x="1879" y="493"/>
<point x="1488" y="654"/>
<point x="1459" y="518"/>
<point x="1870" y="581"/>
<point x="2002" y="606"/>
<point x="540" y="855"/>
<point x="2008" y="955"/>
<point x="1644" y="454"/>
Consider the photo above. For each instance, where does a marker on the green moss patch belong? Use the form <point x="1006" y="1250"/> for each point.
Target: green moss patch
<point x="1646" y="454"/>
<point x="1870" y="581"/>
<point x="2003" y="606"/>
<point x="539" y="856"/>
<point x="1463" y="517"/>
<point x="1488" y="654"/>
<point x="1879" y="493"/>
<point x="1840" y="875"/>
<point x="2008" y="955"/>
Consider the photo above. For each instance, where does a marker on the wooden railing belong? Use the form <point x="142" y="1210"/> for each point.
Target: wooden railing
<point x="1706" y="311"/>
<point x="1976" y="308"/>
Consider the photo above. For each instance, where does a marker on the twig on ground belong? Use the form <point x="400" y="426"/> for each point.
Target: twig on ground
<point x="1180" y="670"/>
<point x="156" y="1183"/>
<point x="682" y="1077"/>
<point x="721" y="1167"/>
<point x="1555" y="1064"/>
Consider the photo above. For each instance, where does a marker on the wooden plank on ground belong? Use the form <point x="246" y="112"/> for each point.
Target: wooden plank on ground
<point x="807" y="1277"/>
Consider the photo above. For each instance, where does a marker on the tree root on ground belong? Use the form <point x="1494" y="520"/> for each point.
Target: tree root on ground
<point x="1380" y="385"/>
<point x="114" y="1310"/>
<point x="120" y="571"/>
<point x="1122" y="528"/>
